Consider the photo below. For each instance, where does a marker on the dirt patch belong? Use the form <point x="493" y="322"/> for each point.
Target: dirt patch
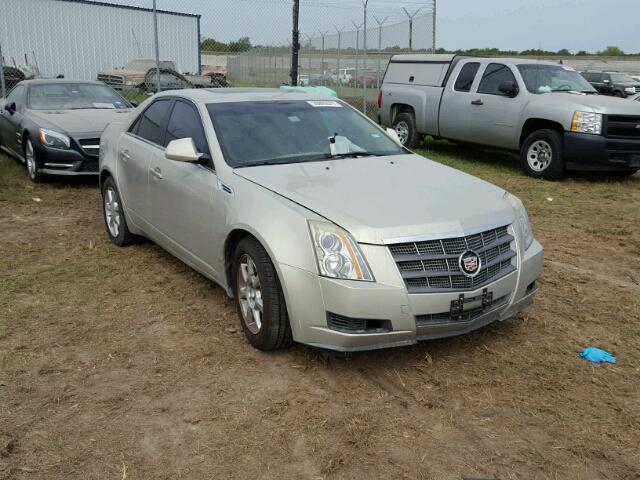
<point x="126" y="364"/>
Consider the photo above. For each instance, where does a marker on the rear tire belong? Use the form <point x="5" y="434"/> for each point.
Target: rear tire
<point x="541" y="155"/>
<point x="259" y="297"/>
<point x="113" y="214"/>
<point x="405" y="126"/>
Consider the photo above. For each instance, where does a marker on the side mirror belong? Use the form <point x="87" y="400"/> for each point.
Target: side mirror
<point x="394" y="136"/>
<point x="509" y="88"/>
<point x="183" y="150"/>
<point x="606" y="81"/>
<point x="10" y="107"/>
<point x="134" y="103"/>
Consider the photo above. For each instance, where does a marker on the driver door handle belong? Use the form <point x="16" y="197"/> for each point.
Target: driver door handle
<point x="156" y="172"/>
<point x="125" y="155"/>
<point x="477" y="102"/>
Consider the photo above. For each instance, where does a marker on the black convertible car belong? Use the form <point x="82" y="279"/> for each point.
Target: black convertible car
<point x="54" y="126"/>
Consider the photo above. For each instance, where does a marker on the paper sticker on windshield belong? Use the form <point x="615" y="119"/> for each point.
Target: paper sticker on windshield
<point x="294" y="119"/>
<point x="104" y="105"/>
<point x="568" y="68"/>
<point x="324" y="103"/>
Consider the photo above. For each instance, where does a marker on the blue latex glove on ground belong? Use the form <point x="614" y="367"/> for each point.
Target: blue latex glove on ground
<point x="596" y="355"/>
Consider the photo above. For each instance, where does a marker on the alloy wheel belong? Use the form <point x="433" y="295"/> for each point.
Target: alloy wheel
<point x="539" y="156"/>
<point x="250" y="294"/>
<point x="32" y="168"/>
<point x="112" y="212"/>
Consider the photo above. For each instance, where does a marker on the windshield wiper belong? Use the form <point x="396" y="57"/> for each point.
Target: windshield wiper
<point x="352" y="155"/>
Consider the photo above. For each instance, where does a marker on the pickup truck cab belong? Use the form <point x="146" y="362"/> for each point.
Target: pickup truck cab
<point x="546" y="111"/>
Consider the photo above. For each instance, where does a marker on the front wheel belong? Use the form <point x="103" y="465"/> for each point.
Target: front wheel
<point x="541" y="155"/>
<point x="113" y="213"/>
<point x="259" y="298"/>
<point x="32" y="162"/>
<point x="618" y="94"/>
<point x="405" y="126"/>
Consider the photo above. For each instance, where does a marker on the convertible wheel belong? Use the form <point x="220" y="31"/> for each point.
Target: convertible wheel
<point x="259" y="298"/>
<point x="114" y="219"/>
<point x="32" y="162"/>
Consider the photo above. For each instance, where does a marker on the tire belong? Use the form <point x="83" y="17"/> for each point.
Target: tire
<point x="31" y="162"/>
<point x="618" y="94"/>
<point x="259" y="298"/>
<point x="541" y="155"/>
<point x="405" y="126"/>
<point x="113" y="215"/>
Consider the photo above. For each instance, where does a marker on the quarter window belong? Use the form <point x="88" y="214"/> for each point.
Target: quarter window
<point x="466" y="77"/>
<point x="185" y="122"/>
<point x="150" y="125"/>
<point x="494" y="75"/>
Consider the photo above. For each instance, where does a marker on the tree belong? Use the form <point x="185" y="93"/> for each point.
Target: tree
<point x="212" y="45"/>
<point x="611" y="51"/>
<point x="582" y="53"/>
<point x="564" y="52"/>
<point x="241" y="45"/>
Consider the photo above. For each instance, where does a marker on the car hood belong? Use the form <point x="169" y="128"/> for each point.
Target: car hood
<point x="593" y="103"/>
<point x="124" y="73"/>
<point x="78" y="122"/>
<point x="387" y="199"/>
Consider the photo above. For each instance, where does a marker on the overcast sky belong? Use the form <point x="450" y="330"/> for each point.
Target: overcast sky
<point x="518" y="24"/>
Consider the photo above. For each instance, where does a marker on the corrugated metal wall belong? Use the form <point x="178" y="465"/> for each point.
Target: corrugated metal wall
<point x="79" y="39"/>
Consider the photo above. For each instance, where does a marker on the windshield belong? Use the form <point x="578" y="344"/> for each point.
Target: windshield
<point x="621" y="78"/>
<point x="74" y="96"/>
<point x="553" y="78"/>
<point x="144" y="65"/>
<point x="258" y="133"/>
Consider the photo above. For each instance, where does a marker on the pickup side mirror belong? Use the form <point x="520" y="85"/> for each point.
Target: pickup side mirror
<point x="606" y="80"/>
<point x="509" y="88"/>
<point x="183" y="150"/>
<point x="10" y="107"/>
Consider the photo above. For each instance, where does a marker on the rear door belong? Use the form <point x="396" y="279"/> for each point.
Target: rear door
<point x="186" y="203"/>
<point x="143" y="141"/>
<point x="457" y="96"/>
<point x="494" y="117"/>
<point x="607" y="85"/>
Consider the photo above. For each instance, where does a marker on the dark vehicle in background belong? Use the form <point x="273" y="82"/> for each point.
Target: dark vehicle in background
<point x="54" y="126"/>
<point x="613" y="83"/>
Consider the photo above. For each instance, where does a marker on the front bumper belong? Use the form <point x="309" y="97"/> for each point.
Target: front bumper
<point x="72" y="162"/>
<point x="312" y="299"/>
<point x="596" y="152"/>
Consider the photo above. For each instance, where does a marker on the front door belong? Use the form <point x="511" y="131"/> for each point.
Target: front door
<point x="10" y="131"/>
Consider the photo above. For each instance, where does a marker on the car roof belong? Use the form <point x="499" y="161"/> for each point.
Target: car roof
<point x="449" y="58"/>
<point x="228" y="95"/>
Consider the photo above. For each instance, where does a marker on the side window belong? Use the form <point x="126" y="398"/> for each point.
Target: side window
<point x="150" y="125"/>
<point x="494" y="75"/>
<point x="596" y="77"/>
<point x="466" y="76"/>
<point x="185" y="122"/>
<point x="605" y="77"/>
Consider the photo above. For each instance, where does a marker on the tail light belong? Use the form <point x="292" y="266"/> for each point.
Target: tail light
<point x="380" y="99"/>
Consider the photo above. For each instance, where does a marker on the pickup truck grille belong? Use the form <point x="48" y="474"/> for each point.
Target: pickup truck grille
<point x="433" y="266"/>
<point x="623" y="126"/>
<point x="114" y="80"/>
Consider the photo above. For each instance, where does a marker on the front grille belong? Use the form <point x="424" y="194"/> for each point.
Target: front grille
<point x="467" y="316"/>
<point x="90" y="166"/>
<point x="357" y="325"/>
<point x="114" y="80"/>
<point x="623" y="126"/>
<point x="90" y="146"/>
<point x="433" y="265"/>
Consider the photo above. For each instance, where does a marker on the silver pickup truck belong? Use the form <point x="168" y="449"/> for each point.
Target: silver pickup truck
<point x="546" y="111"/>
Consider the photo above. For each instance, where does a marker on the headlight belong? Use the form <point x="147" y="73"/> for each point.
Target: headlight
<point x="523" y="225"/>
<point x="337" y="254"/>
<point x="630" y="89"/>
<point x="53" y="139"/>
<point x="587" y="122"/>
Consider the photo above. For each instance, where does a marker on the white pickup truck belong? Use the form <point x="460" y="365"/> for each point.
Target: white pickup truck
<point x="546" y="111"/>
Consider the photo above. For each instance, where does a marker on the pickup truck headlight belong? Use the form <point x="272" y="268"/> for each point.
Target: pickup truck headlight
<point x="522" y="224"/>
<point x="338" y="255"/>
<point x="53" y="139"/>
<point x="587" y="122"/>
<point x="630" y="89"/>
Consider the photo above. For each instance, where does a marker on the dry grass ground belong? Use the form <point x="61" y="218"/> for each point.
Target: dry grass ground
<point x="126" y="364"/>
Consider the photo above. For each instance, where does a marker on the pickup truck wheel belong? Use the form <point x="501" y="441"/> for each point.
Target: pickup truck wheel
<point x="405" y="126"/>
<point x="113" y="214"/>
<point x="541" y="155"/>
<point x="259" y="298"/>
<point x="618" y="94"/>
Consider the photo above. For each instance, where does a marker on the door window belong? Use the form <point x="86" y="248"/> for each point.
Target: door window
<point x="150" y="125"/>
<point x="16" y="94"/>
<point x="596" y="77"/>
<point x="185" y="122"/>
<point x="494" y="75"/>
<point x="466" y="77"/>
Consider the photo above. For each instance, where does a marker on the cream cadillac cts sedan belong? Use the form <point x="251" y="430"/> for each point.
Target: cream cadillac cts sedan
<point x="315" y="220"/>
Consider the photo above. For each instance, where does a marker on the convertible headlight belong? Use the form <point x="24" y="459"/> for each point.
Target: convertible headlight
<point x="53" y="139"/>
<point x="522" y="224"/>
<point x="587" y="122"/>
<point x="338" y="255"/>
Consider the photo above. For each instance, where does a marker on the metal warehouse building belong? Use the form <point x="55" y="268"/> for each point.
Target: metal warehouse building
<point x="79" y="38"/>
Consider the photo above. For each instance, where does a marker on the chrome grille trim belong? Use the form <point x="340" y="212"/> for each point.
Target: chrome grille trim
<point x="431" y="266"/>
<point x="90" y="146"/>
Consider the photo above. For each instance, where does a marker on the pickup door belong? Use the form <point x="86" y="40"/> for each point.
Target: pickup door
<point x="488" y="116"/>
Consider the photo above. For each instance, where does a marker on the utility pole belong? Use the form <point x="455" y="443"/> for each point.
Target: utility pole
<point x="157" y="47"/>
<point x="380" y="23"/>
<point x="411" y="17"/>
<point x="2" y="84"/>
<point x="358" y="27"/>
<point x="338" y="79"/>
<point x="434" y="26"/>
<point x="323" y="35"/>
<point x="364" y="67"/>
<point x="295" y="46"/>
